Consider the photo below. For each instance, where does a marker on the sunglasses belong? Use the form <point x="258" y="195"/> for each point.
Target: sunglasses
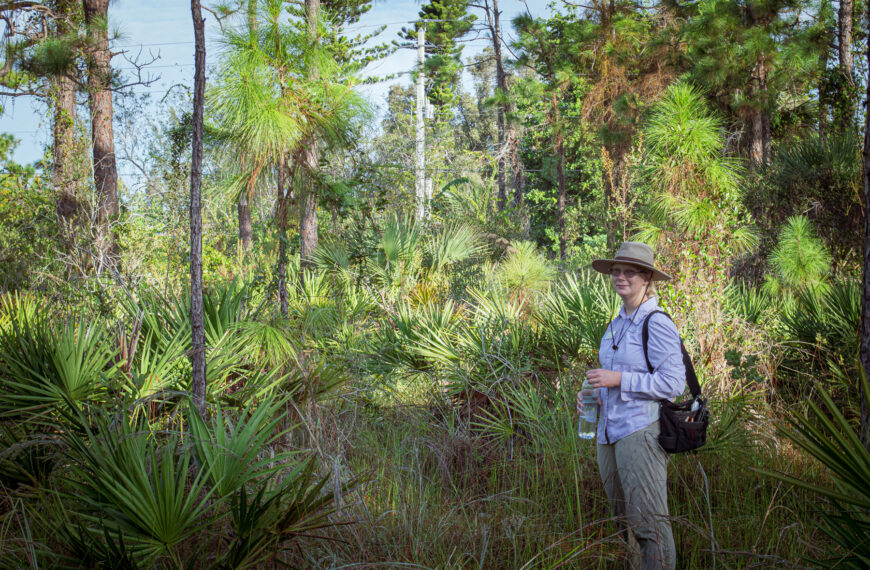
<point x="627" y="273"/>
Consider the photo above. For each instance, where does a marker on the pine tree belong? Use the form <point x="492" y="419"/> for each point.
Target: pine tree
<point x="446" y="22"/>
<point x="747" y="53"/>
<point x="102" y="113"/>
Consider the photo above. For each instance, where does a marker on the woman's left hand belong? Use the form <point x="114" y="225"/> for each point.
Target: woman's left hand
<point x="601" y="378"/>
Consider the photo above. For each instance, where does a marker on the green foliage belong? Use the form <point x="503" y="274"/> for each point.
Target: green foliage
<point x="747" y="302"/>
<point x="829" y="437"/>
<point x="44" y="370"/>
<point x="455" y="243"/>
<point x="821" y="177"/>
<point x="727" y="40"/>
<point x="525" y="272"/>
<point x="232" y="451"/>
<point x="800" y="260"/>
<point x="29" y="223"/>
<point x="443" y="50"/>
<point x="126" y="481"/>
<point x="25" y="461"/>
<point x="696" y="188"/>
<point x="575" y="314"/>
<point x="400" y="341"/>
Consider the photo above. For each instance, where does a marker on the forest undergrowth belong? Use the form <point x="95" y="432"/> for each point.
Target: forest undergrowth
<point x="437" y="492"/>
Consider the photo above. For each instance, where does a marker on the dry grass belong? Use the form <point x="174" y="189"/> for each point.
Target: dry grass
<point x="439" y="494"/>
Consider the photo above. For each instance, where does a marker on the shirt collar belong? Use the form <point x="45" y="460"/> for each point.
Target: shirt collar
<point x="641" y="312"/>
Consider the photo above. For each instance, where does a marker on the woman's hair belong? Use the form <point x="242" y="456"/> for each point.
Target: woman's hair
<point x="651" y="286"/>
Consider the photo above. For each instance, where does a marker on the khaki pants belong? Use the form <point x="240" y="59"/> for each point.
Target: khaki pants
<point x="635" y="475"/>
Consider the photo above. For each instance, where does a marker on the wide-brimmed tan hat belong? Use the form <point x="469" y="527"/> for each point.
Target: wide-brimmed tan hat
<point x="633" y="253"/>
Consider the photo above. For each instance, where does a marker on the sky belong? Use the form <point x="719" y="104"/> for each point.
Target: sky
<point x="163" y="29"/>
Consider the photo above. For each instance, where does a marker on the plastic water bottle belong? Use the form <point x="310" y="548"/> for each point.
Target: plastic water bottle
<point x="589" y="418"/>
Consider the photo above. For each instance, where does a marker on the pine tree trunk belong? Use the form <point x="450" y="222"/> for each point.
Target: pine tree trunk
<point x="864" y="351"/>
<point x="308" y="204"/>
<point x="560" y="178"/>
<point x="844" y="49"/>
<point x="513" y="145"/>
<point x="66" y="202"/>
<point x="63" y="180"/>
<point x="823" y="97"/>
<point x="100" y="103"/>
<point x="246" y="231"/>
<point x="281" y="215"/>
<point x="759" y="122"/>
<point x="756" y="137"/>
<point x="246" y="227"/>
<point x="310" y="159"/>
<point x="197" y="354"/>
<point x="501" y="85"/>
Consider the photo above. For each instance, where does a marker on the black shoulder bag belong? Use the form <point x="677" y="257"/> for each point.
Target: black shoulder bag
<point x="682" y="428"/>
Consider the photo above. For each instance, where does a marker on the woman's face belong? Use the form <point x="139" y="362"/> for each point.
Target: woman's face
<point x="629" y="281"/>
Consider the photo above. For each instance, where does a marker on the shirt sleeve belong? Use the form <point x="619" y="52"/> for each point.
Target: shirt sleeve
<point x="668" y="379"/>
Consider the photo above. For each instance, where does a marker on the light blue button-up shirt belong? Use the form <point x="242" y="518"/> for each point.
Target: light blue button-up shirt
<point x="634" y="405"/>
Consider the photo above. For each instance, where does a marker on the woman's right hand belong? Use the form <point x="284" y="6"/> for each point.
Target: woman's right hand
<point x="580" y="401"/>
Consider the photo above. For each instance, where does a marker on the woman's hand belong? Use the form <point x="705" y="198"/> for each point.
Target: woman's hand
<point x="601" y="378"/>
<point x="580" y="402"/>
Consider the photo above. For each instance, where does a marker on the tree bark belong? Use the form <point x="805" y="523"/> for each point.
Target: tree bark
<point x="844" y="49"/>
<point x="308" y="204"/>
<point x="560" y="179"/>
<point x="756" y="137"/>
<point x="420" y="127"/>
<point x="513" y="145"/>
<point x="246" y="232"/>
<point x="100" y="103"/>
<point x="246" y="228"/>
<point x="759" y="121"/>
<point x="66" y="203"/>
<point x="309" y="158"/>
<point x="823" y="97"/>
<point x="492" y="15"/>
<point x="281" y="215"/>
<point x="197" y="355"/>
<point x="864" y="351"/>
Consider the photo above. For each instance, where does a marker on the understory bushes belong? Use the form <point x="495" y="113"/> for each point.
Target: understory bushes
<point x="384" y="420"/>
<point x="105" y="461"/>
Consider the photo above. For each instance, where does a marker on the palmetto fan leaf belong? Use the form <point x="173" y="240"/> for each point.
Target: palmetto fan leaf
<point x="235" y="451"/>
<point x="575" y="314"/>
<point x="18" y="308"/>
<point x="42" y="369"/>
<point x="453" y="244"/>
<point x="125" y="480"/>
<point x="400" y="241"/>
<point x="158" y="367"/>
<point x="829" y="437"/>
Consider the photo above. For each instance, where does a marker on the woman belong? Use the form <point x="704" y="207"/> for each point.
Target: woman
<point x="633" y="465"/>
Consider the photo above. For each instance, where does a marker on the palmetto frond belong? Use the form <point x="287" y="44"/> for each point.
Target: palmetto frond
<point x="453" y="244"/>
<point x="829" y="437"/>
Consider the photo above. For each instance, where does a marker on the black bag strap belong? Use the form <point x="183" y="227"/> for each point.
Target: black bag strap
<point x="691" y="377"/>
